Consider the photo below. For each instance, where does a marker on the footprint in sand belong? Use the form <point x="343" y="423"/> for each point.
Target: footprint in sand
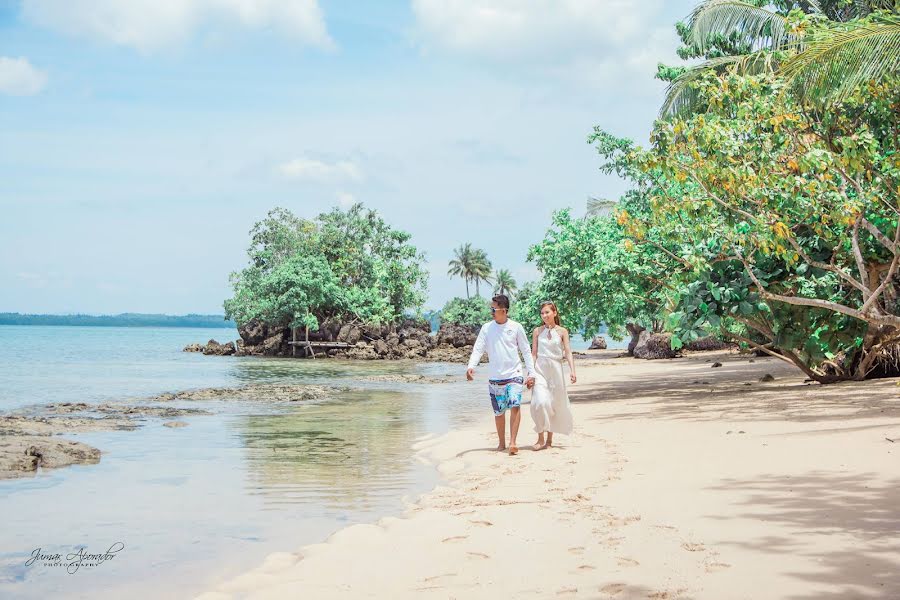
<point x="627" y="562"/>
<point x="485" y="523"/>
<point x="666" y="594"/>
<point x="455" y="538"/>
<point x="570" y="590"/>
<point x="717" y="566"/>
<point x="478" y="554"/>
<point x="433" y="577"/>
<point x="586" y="568"/>
<point x="613" y="542"/>
<point x="613" y="588"/>
<point x="577" y="550"/>
<point x="691" y="547"/>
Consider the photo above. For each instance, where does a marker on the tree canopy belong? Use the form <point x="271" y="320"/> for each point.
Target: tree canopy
<point x="342" y="264"/>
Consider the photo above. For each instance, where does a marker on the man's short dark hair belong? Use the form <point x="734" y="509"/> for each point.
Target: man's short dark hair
<point x="501" y="300"/>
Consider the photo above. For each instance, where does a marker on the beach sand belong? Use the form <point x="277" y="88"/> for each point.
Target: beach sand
<point x="680" y="481"/>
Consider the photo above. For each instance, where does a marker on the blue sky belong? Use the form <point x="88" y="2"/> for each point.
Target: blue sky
<point x="141" y="139"/>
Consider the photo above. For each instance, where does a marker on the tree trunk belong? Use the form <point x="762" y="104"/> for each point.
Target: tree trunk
<point x="635" y="330"/>
<point x="467" y="289"/>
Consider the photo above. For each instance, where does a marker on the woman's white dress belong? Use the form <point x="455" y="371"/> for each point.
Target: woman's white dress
<point x="549" y="400"/>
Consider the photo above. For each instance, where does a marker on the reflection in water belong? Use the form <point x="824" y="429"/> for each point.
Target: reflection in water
<point x="347" y="453"/>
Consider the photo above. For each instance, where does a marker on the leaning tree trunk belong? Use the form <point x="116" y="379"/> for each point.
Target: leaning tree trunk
<point x="635" y="330"/>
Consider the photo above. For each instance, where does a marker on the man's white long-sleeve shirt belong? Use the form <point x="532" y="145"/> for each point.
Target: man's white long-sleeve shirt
<point x="503" y="344"/>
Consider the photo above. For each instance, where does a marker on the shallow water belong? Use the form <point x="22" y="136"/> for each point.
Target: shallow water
<point x="197" y="504"/>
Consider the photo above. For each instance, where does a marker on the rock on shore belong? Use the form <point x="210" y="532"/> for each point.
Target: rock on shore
<point x="21" y="455"/>
<point x="410" y="340"/>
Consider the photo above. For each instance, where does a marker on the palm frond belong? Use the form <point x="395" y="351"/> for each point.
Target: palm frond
<point x="760" y="27"/>
<point x="599" y="207"/>
<point x="682" y="97"/>
<point x="833" y="66"/>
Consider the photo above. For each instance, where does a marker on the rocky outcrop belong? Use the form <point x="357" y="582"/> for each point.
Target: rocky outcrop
<point x="654" y="345"/>
<point x="708" y="343"/>
<point x="21" y="456"/>
<point x="410" y="339"/>
<point x="457" y="336"/>
<point x="214" y="348"/>
<point x="598" y="343"/>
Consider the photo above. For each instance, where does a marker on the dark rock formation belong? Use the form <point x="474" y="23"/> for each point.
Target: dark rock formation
<point x="409" y="339"/>
<point x="21" y="455"/>
<point x="598" y="343"/>
<point x="457" y="336"/>
<point x="708" y="343"/>
<point x="654" y="345"/>
<point x="216" y="349"/>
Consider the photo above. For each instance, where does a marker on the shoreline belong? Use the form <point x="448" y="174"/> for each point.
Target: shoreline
<point x="681" y="481"/>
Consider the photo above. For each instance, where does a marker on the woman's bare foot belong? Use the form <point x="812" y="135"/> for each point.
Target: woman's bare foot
<point x="513" y="450"/>
<point x="539" y="445"/>
<point x="501" y="448"/>
<point x="549" y="443"/>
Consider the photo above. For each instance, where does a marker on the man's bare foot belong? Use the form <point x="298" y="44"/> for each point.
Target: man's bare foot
<point x="501" y="448"/>
<point x="513" y="450"/>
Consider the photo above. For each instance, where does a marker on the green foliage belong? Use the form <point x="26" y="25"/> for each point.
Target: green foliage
<point x="466" y="311"/>
<point x="824" y="50"/>
<point x="346" y="264"/>
<point x="791" y="216"/>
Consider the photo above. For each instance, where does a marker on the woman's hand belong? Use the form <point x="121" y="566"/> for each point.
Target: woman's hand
<point x="572" y="377"/>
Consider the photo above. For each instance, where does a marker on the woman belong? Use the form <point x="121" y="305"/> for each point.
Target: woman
<point x="549" y="400"/>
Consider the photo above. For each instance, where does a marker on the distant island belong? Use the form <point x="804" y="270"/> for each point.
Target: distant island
<point x="121" y="320"/>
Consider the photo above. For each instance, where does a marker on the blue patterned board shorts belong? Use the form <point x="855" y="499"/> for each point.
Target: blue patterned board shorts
<point x="505" y="393"/>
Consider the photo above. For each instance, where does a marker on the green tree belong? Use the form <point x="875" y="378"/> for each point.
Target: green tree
<point x="824" y="50"/>
<point x="793" y="219"/>
<point x="344" y="264"/>
<point x="461" y="264"/>
<point x="504" y="283"/>
<point x="481" y="269"/>
<point x="466" y="311"/>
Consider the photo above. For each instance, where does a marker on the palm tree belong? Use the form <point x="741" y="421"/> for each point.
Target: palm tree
<point x="461" y="264"/>
<point x="504" y="282"/>
<point x="481" y="269"/>
<point x="846" y="54"/>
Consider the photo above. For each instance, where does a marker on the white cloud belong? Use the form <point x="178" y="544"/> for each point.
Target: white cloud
<point x="309" y="169"/>
<point x="19" y="78"/>
<point x="595" y="39"/>
<point x="150" y="25"/>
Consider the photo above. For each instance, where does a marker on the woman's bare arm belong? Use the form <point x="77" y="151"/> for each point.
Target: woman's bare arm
<point x="568" y="350"/>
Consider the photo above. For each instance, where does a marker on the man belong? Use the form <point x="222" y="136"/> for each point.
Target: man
<point x="503" y="339"/>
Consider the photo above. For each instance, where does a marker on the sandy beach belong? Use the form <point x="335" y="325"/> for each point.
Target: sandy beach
<point x="681" y="480"/>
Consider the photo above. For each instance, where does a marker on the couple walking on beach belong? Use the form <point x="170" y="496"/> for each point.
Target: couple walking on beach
<point x="503" y="339"/>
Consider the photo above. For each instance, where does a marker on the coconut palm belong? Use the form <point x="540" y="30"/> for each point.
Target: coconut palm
<point x="480" y="269"/>
<point x="846" y="53"/>
<point x="504" y="282"/>
<point x="461" y="264"/>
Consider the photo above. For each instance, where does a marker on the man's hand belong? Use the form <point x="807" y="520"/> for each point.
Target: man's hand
<point x="470" y="374"/>
<point x="529" y="383"/>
